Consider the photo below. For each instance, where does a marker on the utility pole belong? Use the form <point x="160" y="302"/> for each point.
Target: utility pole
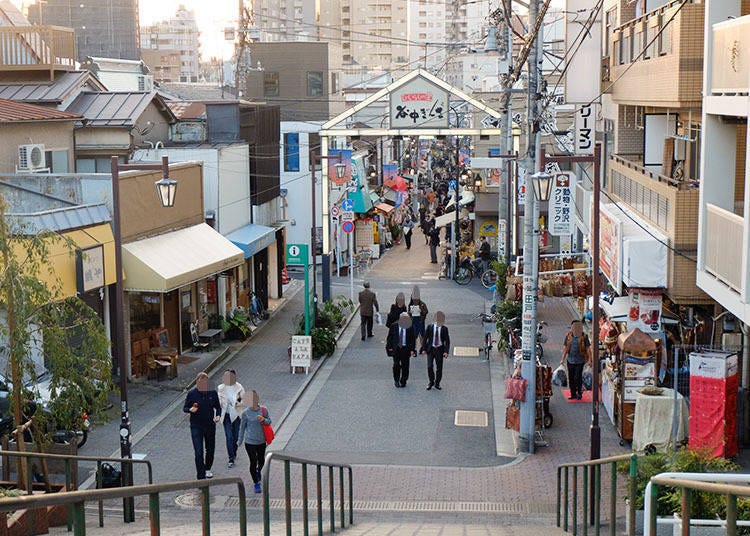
<point x="530" y="244"/>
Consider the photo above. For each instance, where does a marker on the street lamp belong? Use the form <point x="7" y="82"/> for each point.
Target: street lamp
<point x="167" y="189"/>
<point x="541" y="183"/>
<point x="340" y="173"/>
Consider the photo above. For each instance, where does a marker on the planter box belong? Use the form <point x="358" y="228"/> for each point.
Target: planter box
<point x="54" y="466"/>
<point x="19" y="523"/>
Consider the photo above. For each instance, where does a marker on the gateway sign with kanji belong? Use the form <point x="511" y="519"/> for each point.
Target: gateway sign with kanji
<point x="419" y="104"/>
<point x="561" y="221"/>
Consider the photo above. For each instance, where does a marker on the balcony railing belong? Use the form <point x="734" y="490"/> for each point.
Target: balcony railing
<point x="34" y="48"/>
<point x="730" y="67"/>
<point x="635" y="162"/>
<point x="666" y="43"/>
<point x="724" y="231"/>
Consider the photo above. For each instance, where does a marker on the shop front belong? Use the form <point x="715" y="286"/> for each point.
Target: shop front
<point x="259" y="247"/>
<point x="168" y="282"/>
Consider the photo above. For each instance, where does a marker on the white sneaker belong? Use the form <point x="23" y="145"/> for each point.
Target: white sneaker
<point x="209" y="474"/>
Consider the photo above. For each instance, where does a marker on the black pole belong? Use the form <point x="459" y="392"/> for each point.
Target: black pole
<point x="128" y="504"/>
<point x="595" y="439"/>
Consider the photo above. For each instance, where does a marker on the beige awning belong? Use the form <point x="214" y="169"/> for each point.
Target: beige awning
<point x="172" y="260"/>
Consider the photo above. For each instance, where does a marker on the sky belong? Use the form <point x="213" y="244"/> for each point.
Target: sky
<point x="212" y="17"/>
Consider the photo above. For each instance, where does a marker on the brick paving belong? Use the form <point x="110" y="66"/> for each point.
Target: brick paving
<point x="401" y="442"/>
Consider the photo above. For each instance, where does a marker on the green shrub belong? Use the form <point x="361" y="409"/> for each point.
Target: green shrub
<point x="703" y="505"/>
<point x="505" y="311"/>
<point x="323" y="341"/>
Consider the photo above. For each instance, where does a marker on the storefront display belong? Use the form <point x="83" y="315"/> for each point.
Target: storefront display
<point x="635" y="368"/>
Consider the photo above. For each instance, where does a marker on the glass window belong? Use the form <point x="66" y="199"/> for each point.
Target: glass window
<point x="270" y="84"/>
<point x="314" y="83"/>
<point x="291" y="151"/>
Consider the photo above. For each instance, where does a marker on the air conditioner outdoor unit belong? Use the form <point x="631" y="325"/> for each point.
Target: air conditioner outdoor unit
<point x="31" y="157"/>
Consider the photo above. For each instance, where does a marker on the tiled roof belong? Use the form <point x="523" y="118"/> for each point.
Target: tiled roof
<point x="63" y="87"/>
<point x="21" y="112"/>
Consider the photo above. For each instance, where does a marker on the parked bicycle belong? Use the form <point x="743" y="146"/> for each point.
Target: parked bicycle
<point x="514" y="344"/>
<point x="489" y="325"/>
<point x="467" y="271"/>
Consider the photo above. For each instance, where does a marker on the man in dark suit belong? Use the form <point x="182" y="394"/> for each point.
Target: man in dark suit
<point x="401" y="346"/>
<point x="436" y="344"/>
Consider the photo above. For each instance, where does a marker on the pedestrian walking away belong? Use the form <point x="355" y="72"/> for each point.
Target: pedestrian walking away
<point x="231" y="394"/>
<point x="408" y="227"/>
<point x="437" y="346"/>
<point x="401" y="346"/>
<point x="484" y="256"/>
<point x="368" y="304"/>
<point x="418" y="311"/>
<point x="202" y="403"/>
<point x="398" y="307"/>
<point x="251" y="433"/>
<point x="576" y="352"/>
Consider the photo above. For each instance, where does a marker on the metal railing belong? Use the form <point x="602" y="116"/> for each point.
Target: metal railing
<point x="592" y="469"/>
<point x="70" y="484"/>
<point x="288" y="460"/>
<point x="78" y="499"/>
<point x="732" y="485"/>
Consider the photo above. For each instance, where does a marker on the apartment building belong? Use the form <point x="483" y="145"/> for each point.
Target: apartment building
<point x="651" y="108"/>
<point x="103" y="28"/>
<point x="164" y="42"/>
<point x="723" y="223"/>
<point x="284" y="20"/>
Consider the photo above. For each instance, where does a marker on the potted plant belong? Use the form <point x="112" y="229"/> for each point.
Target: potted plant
<point x="396" y="232"/>
<point x="236" y="325"/>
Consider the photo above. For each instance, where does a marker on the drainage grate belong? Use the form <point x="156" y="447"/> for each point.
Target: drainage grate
<point x="470" y="418"/>
<point x="465" y="351"/>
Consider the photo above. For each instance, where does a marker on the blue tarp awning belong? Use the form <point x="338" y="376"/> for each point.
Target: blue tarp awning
<point x="252" y="238"/>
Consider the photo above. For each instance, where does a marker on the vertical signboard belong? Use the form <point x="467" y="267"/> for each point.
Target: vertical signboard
<point x="561" y="205"/>
<point x="645" y="309"/>
<point x="583" y="35"/>
<point x="610" y="248"/>
<point x="585" y="127"/>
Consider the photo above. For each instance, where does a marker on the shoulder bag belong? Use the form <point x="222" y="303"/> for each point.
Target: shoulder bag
<point x="515" y="388"/>
<point x="267" y="428"/>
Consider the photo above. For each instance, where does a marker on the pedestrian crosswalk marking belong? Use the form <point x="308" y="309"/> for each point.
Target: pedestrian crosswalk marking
<point x="465" y="417"/>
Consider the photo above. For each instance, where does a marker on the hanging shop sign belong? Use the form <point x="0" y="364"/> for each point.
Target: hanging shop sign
<point x="561" y="221"/>
<point x="419" y="104"/>
<point x="610" y="233"/>
<point x="645" y="309"/>
<point x="90" y="268"/>
<point x="521" y="185"/>
<point x="585" y="120"/>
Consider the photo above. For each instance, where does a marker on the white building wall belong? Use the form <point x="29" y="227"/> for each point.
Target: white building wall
<point x="299" y="189"/>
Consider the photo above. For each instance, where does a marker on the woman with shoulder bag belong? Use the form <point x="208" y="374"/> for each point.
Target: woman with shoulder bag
<point x="254" y="437"/>
<point x="396" y="309"/>
<point x="576" y="353"/>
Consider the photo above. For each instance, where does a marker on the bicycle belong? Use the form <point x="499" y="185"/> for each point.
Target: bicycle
<point x="489" y="324"/>
<point x="467" y="271"/>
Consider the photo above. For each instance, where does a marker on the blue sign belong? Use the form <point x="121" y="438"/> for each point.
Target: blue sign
<point x="452" y="184"/>
<point x="347" y="205"/>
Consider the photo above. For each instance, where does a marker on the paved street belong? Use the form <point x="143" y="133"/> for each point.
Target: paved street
<point x="408" y="455"/>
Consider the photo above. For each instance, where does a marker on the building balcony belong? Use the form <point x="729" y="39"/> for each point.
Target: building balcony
<point x="657" y="59"/>
<point x="671" y="206"/>
<point x="37" y="48"/>
<point x="730" y="67"/>
<point x="723" y="259"/>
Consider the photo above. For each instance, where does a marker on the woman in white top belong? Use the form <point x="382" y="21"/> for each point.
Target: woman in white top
<point x="231" y="394"/>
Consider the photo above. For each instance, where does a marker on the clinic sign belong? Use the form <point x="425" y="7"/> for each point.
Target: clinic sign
<point x="561" y="205"/>
<point x="419" y="104"/>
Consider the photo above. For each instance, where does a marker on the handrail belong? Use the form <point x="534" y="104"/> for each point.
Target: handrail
<point x="709" y="482"/>
<point x="69" y="484"/>
<point x="79" y="497"/>
<point x="288" y="460"/>
<point x="680" y="184"/>
<point x="595" y="467"/>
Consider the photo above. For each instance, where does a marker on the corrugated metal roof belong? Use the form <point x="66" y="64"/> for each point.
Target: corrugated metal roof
<point x="21" y="112"/>
<point x="114" y="109"/>
<point x="55" y="92"/>
<point x="63" y="219"/>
